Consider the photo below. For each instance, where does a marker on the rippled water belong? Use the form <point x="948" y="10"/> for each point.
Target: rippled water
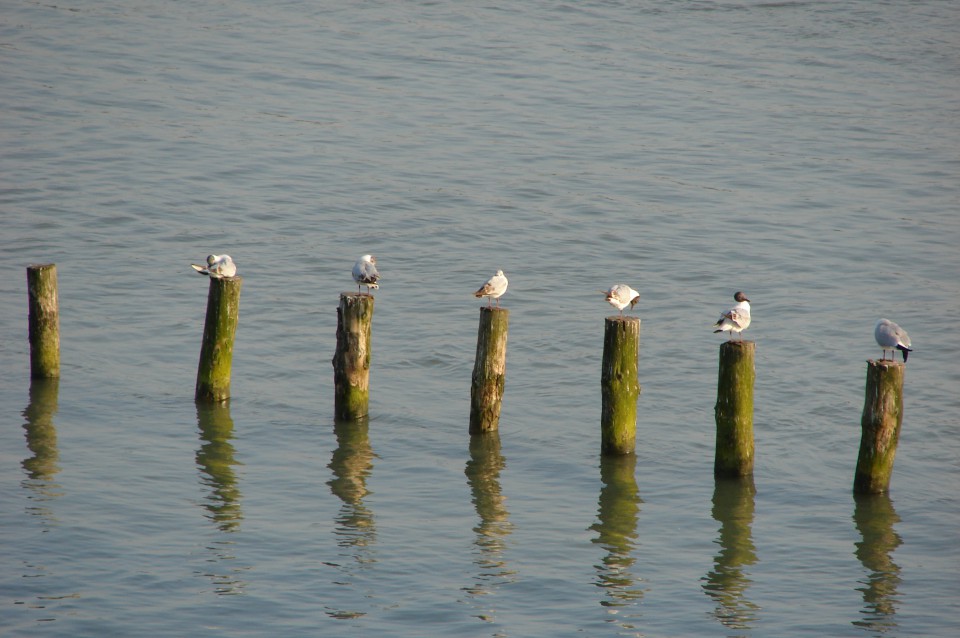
<point x="804" y="152"/>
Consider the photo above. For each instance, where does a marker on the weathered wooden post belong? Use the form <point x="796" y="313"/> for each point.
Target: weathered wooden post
<point x="489" y="370"/>
<point x="219" y="330"/>
<point x="880" y="424"/>
<point x="734" y="410"/>
<point x="619" y="384"/>
<point x="43" y="320"/>
<point x="351" y="360"/>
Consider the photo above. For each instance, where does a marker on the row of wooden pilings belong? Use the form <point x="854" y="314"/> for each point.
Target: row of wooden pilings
<point x="619" y="380"/>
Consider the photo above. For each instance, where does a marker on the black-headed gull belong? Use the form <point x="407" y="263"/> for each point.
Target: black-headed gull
<point x="365" y="273"/>
<point x="494" y="288"/>
<point x="217" y="266"/>
<point x="737" y="319"/>
<point x="620" y="296"/>
<point x="892" y="337"/>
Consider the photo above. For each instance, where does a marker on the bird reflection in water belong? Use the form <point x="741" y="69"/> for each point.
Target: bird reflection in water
<point x="483" y="476"/>
<point x="215" y="459"/>
<point x="728" y="582"/>
<point x="618" y="512"/>
<point x="875" y="517"/>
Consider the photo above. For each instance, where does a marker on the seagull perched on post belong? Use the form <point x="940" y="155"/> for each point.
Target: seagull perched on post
<point x="365" y="273"/>
<point x="737" y="319"/>
<point x="892" y="337"/>
<point x="620" y="296"/>
<point x="218" y="266"/>
<point x="494" y="288"/>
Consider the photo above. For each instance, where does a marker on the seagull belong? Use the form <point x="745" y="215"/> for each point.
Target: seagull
<point x="737" y="319"/>
<point x="892" y="337"/>
<point x="365" y="273"/>
<point x="494" y="288"/>
<point x="218" y="266"/>
<point x="620" y="295"/>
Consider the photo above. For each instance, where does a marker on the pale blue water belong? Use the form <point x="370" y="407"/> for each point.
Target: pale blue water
<point x="805" y="152"/>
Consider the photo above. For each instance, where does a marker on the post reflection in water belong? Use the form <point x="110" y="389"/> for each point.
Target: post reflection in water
<point x="727" y="583"/>
<point x="352" y="464"/>
<point x="41" y="435"/>
<point x="483" y="476"/>
<point x="874" y="517"/>
<point x="618" y="513"/>
<point x="216" y="461"/>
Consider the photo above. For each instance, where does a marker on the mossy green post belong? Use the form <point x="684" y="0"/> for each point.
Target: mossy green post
<point x="351" y="361"/>
<point x="43" y="321"/>
<point x="619" y="385"/>
<point x="489" y="370"/>
<point x="219" y="330"/>
<point x="734" y="410"/>
<point x="880" y="424"/>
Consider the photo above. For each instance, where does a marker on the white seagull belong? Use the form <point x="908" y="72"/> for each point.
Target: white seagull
<point x="620" y="296"/>
<point x="737" y="319"/>
<point x="494" y="288"/>
<point x="892" y="337"/>
<point x="218" y="266"/>
<point x="365" y="273"/>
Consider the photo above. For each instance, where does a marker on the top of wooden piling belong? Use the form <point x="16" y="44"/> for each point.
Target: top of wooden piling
<point x="884" y="363"/>
<point x="623" y="318"/>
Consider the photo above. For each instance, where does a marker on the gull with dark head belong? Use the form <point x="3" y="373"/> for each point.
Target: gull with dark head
<point x="892" y="337"/>
<point x="737" y="319"/>
<point x="365" y="273"/>
<point x="620" y="296"/>
<point x="494" y="288"/>
<point x="218" y="266"/>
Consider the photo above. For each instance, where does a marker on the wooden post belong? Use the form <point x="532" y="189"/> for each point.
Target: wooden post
<point x="44" y="320"/>
<point x="489" y="370"/>
<point x="216" y="351"/>
<point x="351" y="361"/>
<point x="619" y="385"/>
<point x="734" y="410"/>
<point x="880" y="424"/>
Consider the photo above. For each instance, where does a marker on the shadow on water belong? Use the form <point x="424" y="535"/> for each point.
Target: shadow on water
<point x="356" y="531"/>
<point x="216" y="461"/>
<point x="874" y="517"/>
<point x="618" y="512"/>
<point x="483" y="476"/>
<point x="728" y="582"/>
<point x="41" y="435"/>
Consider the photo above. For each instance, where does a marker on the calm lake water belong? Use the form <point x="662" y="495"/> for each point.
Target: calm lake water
<point x="804" y="152"/>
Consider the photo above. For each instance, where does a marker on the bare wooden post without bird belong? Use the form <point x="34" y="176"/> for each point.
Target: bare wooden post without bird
<point x="619" y="385"/>
<point x="880" y="424"/>
<point x="216" y="351"/>
<point x="43" y="320"/>
<point x="351" y="361"/>
<point x="489" y="370"/>
<point x="734" y="410"/>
